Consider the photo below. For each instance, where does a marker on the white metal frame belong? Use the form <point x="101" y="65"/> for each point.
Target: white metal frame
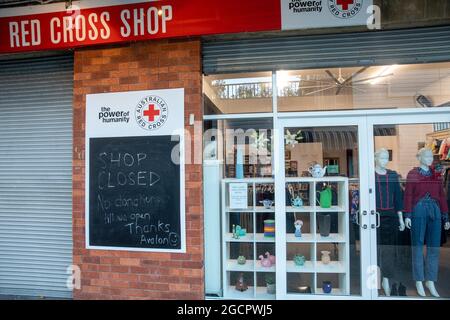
<point x="365" y="119"/>
<point x="280" y="180"/>
<point x="425" y="116"/>
<point x="251" y="266"/>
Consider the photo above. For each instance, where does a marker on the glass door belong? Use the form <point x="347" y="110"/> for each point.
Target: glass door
<point x="322" y="219"/>
<point x="409" y="173"/>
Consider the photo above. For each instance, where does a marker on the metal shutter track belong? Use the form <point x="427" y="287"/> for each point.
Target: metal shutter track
<point x="323" y="51"/>
<point x="36" y="176"/>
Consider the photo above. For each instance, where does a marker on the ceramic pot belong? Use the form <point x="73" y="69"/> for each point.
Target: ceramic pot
<point x="271" y="288"/>
<point x="297" y="202"/>
<point x="326" y="287"/>
<point x="269" y="228"/>
<point x="324" y="224"/>
<point x="299" y="260"/>
<point x="325" y="257"/>
<point x="241" y="260"/>
<point x="267" y="203"/>
<point x="324" y="197"/>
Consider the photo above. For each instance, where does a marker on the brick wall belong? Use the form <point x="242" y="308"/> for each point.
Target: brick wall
<point x="138" y="275"/>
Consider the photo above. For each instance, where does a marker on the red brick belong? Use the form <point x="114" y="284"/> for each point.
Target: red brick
<point x="142" y="65"/>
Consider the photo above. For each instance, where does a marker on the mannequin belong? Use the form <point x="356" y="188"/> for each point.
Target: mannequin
<point x="389" y="200"/>
<point x="426" y="209"/>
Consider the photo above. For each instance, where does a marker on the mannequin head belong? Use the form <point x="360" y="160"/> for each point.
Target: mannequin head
<point x="381" y="158"/>
<point x="425" y="157"/>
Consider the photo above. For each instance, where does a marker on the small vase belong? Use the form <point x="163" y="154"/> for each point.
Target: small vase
<point x="239" y="163"/>
<point x="241" y="260"/>
<point x="269" y="228"/>
<point x="325" y="257"/>
<point x="324" y="224"/>
<point x="299" y="260"/>
<point x="271" y="288"/>
<point x="326" y="287"/>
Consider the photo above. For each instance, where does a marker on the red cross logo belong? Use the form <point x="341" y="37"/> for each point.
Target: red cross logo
<point x="344" y="3"/>
<point x="151" y="113"/>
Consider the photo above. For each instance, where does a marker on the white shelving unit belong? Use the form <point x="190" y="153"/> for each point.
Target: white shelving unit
<point x="251" y="266"/>
<point x="313" y="239"/>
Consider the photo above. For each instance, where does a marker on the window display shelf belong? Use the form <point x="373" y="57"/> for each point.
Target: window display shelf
<point x="300" y="209"/>
<point x="314" y="242"/>
<point x="260" y="268"/>
<point x="311" y="243"/>
<point x="253" y="243"/>
<point x="306" y="237"/>
<point x="232" y="265"/>
<point x="248" y="238"/>
<point x="332" y="209"/>
<point x="332" y="267"/>
<point x="333" y="238"/>
<point x="264" y="210"/>
<point x="308" y="267"/>
<point x="336" y="292"/>
<point x="246" y="210"/>
<point x="261" y="293"/>
<point x="315" y="180"/>
<point x="259" y="237"/>
<point x="248" y="294"/>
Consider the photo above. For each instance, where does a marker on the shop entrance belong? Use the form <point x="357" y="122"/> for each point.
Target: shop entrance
<point x="341" y="231"/>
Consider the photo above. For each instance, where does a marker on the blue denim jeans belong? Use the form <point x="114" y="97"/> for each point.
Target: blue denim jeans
<point x="426" y="226"/>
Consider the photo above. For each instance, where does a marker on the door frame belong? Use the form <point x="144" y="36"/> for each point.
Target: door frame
<point x="365" y="120"/>
<point x="279" y="165"/>
<point x="428" y="116"/>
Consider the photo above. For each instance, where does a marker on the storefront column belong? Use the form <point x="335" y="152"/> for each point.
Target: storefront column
<point x="139" y="275"/>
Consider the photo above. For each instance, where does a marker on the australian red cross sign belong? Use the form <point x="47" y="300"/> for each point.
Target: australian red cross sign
<point x="92" y="22"/>
<point x="151" y="113"/>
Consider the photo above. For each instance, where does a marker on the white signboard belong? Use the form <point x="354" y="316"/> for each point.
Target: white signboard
<point x="238" y="195"/>
<point x="304" y="14"/>
<point x="135" y="198"/>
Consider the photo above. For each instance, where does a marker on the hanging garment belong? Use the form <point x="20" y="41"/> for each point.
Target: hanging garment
<point x="389" y="195"/>
<point x="419" y="183"/>
<point x="389" y="201"/>
<point x="387" y="243"/>
<point x="354" y="205"/>
<point x="444" y="150"/>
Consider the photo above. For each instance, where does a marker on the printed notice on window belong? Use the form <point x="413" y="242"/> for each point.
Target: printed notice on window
<point x="238" y="196"/>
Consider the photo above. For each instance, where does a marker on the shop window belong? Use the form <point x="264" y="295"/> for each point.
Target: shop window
<point x="400" y="250"/>
<point x="243" y="146"/>
<point x="237" y="93"/>
<point x="389" y="86"/>
<point x="240" y="150"/>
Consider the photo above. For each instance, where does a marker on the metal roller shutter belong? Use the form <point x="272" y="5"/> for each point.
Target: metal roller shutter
<point x="324" y="51"/>
<point x="36" y="176"/>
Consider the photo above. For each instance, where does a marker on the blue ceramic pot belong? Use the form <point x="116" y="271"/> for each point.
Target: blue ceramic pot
<point x="326" y="286"/>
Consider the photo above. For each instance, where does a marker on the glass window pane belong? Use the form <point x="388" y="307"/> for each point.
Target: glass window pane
<point x="389" y="86"/>
<point x="322" y="202"/>
<point x="404" y="192"/>
<point x="237" y="93"/>
<point x="243" y="146"/>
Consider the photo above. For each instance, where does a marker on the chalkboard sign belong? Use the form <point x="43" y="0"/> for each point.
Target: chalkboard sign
<point x="134" y="193"/>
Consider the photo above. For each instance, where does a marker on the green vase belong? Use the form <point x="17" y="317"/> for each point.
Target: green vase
<point x="325" y="198"/>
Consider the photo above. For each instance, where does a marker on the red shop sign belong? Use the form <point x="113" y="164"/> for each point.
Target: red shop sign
<point x="28" y="29"/>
